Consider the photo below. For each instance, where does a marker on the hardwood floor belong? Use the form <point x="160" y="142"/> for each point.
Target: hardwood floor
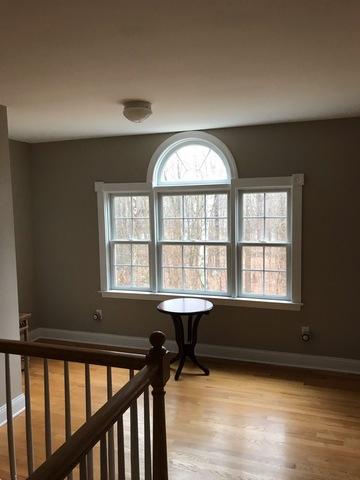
<point x="245" y="422"/>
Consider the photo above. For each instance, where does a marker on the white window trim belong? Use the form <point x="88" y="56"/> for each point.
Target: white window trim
<point x="293" y="182"/>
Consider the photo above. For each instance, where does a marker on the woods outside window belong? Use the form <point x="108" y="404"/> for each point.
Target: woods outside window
<point x="195" y="228"/>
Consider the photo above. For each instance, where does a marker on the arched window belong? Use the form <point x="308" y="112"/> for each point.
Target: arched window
<point x="193" y="158"/>
<point x="194" y="228"/>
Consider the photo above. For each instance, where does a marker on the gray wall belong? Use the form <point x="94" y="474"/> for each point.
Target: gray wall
<point x="66" y="266"/>
<point x="22" y="198"/>
<point x="9" y="319"/>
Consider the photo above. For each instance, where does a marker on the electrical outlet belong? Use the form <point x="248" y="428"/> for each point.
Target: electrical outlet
<point x="306" y="334"/>
<point x="97" y="315"/>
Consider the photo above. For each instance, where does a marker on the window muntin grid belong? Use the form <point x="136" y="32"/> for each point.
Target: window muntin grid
<point x="129" y="242"/>
<point x="194" y="227"/>
<point x="265" y="245"/>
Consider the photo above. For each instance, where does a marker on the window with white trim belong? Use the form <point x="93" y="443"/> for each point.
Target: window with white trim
<point x="195" y="228"/>
<point x="129" y="242"/>
<point x="264" y="244"/>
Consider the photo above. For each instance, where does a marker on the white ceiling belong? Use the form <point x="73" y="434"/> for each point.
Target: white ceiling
<point x="66" y="65"/>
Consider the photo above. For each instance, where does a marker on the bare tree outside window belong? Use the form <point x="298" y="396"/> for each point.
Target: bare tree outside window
<point x="130" y="227"/>
<point x="196" y="228"/>
<point x="264" y="222"/>
<point x="193" y="220"/>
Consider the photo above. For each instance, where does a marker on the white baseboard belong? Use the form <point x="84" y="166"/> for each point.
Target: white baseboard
<point x="18" y="406"/>
<point x="316" y="362"/>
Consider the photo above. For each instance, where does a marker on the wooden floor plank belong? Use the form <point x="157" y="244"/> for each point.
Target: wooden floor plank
<point x="243" y="422"/>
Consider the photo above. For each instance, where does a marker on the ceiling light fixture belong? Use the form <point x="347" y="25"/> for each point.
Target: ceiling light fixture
<point x="137" y="110"/>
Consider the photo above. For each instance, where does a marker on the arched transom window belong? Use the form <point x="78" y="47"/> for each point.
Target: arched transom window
<point x="196" y="229"/>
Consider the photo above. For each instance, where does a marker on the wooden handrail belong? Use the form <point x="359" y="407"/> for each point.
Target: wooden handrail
<point x="93" y="356"/>
<point x="62" y="462"/>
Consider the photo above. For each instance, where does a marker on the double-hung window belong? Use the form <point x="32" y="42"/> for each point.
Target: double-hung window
<point x="130" y="241"/>
<point x="195" y="228"/>
<point x="194" y="242"/>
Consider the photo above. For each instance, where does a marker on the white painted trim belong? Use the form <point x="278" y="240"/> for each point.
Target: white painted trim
<point x="102" y="206"/>
<point x="300" y="360"/>
<point x="262" y="182"/>
<point x="176" y="140"/>
<point x="18" y="406"/>
<point x="293" y="183"/>
<point x="296" y="235"/>
<point x="216" y="299"/>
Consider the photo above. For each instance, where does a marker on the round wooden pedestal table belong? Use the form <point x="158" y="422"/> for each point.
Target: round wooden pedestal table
<point x="193" y="309"/>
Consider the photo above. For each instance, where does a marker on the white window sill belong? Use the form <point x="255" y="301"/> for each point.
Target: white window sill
<point x="217" y="300"/>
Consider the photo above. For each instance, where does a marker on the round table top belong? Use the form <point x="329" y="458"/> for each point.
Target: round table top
<point x="185" y="306"/>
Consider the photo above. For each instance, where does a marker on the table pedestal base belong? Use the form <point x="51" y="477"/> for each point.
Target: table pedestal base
<point x="186" y="349"/>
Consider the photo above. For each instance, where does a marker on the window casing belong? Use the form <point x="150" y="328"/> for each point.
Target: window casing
<point x="246" y="249"/>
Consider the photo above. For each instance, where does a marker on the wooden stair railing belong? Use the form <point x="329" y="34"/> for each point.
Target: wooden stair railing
<point x="74" y="459"/>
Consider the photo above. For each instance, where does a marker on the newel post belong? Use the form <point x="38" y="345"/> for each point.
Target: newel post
<point x="158" y="356"/>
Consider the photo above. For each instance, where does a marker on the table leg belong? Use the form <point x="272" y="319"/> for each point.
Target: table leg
<point x="189" y="331"/>
<point x="193" y="345"/>
<point x="179" y="336"/>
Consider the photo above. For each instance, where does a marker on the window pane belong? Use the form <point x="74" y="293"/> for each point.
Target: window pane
<point x="193" y="163"/>
<point x="122" y="229"/>
<point x="126" y="208"/>
<point x="122" y="207"/>
<point x="193" y="255"/>
<point x="141" y="277"/>
<point x="252" y="258"/>
<point x="172" y="278"/>
<point x="141" y="230"/>
<point x="253" y="204"/>
<point x="122" y="254"/>
<point x="216" y="280"/>
<point x="172" y="229"/>
<point x="194" y="229"/>
<point x="275" y="258"/>
<point x="275" y="283"/>
<point x="140" y="255"/>
<point x="252" y="282"/>
<point x="216" y="256"/>
<point x="172" y="255"/>
<point x="275" y="229"/>
<point x="194" y="279"/>
<point x="140" y="207"/>
<point x="172" y="206"/>
<point x="276" y="204"/>
<point x="194" y="206"/>
<point x="253" y="229"/>
<point x="122" y="276"/>
<point x="216" y="230"/>
<point x="216" y="205"/>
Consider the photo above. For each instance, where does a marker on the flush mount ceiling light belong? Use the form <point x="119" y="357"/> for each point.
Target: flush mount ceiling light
<point x="137" y="110"/>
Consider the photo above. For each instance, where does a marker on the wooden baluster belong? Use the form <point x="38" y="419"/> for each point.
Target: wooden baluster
<point x="157" y="356"/>
<point x="89" y="459"/>
<point x="47" y="409"/>
<point x="83" y="469"/>
<point x="134" y="438"/>
<point x="121" y="449"/>
<point x="9" y="418"/>
<point x="28" y="421"/>
<point x="111" y="449"/>
<point x="147" y="435"/>
<point x="67" y="406"/>
<point x="103" y="459"/>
